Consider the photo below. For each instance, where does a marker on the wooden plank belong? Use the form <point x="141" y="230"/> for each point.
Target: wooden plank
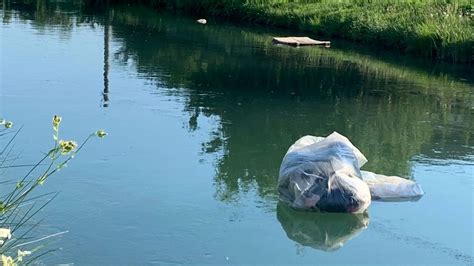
<point x="299" y="41"/>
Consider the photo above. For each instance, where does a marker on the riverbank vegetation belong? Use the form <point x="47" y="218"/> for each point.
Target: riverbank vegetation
<point x="434" y="29"/>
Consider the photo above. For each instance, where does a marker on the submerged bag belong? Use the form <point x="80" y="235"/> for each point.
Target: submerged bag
<point x="323" y="174"/>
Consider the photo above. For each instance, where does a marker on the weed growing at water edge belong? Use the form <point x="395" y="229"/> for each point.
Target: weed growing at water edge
<point x="18" y="205"/>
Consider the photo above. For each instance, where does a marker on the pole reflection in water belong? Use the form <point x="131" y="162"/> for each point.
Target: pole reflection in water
<point x="324" y="231"/>
<point x="105" y="93"/>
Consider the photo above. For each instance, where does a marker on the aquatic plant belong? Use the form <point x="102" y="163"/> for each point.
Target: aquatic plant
<point x="19" y="203"/>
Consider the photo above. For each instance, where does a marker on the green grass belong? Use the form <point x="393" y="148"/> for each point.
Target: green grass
<point x="434" y="29"/>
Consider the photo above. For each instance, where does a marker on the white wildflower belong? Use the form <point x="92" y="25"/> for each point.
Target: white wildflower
<point x="5" y="233"/>
<point x="7" y="261"/>
<point x="22" y="254"/>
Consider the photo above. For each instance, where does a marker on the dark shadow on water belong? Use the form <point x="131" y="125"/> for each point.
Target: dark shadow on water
<point x="323" y="231"/>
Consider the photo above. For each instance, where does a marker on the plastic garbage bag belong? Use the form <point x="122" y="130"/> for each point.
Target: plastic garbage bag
<point x="324" y="231"/>
<point x="323" y="174"/>
<point x="391" y="188"/>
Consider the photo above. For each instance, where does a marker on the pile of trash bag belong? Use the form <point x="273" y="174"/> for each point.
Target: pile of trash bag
<point x="324" y="174"/>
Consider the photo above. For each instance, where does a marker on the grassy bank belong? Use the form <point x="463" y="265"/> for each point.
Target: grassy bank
<point x="434" y="29"/>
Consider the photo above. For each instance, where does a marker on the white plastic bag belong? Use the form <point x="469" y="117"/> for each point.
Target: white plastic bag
<point x="391" y="188"/>
<point x="323" y="174"/>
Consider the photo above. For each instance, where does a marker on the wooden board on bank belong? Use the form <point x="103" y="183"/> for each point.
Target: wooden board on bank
<point x="299" y="41"/>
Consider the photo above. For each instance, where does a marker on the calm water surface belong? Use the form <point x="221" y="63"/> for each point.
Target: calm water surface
<point x="199" y="118"/>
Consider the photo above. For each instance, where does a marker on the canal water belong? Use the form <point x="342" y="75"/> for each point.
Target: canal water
<point x="199" y="118"/>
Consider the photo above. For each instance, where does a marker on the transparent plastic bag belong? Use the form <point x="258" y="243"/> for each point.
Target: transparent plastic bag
<point x="323" y="174"/>
<point x="391" y="188"/>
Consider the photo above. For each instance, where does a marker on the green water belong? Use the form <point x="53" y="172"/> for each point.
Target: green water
<point x="199" y="118"/>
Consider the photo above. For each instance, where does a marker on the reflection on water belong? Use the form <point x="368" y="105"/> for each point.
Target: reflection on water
<point x="105" y="93"/>
<point x="246" y="101"/>
<point x="324" y="231"/>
